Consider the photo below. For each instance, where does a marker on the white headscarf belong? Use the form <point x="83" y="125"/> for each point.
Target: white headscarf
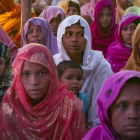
<point x="95" y="67"/>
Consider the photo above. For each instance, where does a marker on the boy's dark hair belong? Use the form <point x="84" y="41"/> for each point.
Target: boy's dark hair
<point x="133" y="80"/>
<point x="72" y="4"/>
<point x="62" y="66"/>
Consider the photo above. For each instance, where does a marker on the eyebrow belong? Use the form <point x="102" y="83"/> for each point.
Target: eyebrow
<point x="37" y="70"/>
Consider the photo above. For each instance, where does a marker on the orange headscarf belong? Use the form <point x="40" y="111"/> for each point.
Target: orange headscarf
<point x="133" y="62"/>
<point x="58" y="117"/>
<point x="11" y="19"/>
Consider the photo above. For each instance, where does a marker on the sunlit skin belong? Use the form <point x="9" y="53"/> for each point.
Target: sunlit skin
<point x="105" y="19"/>
<point x="127" y="33"/>
<point x="73" y="77"/>
<point x="125" y="112"/>
<point x="34" y="34"/>
<point x="35" y="80"/>
<point x="74" y="42"/>
<point x="55" y="23"/>
<point x="2" y="66"/>
<point x="126" y="3"/>
<point x="72" y="11"/>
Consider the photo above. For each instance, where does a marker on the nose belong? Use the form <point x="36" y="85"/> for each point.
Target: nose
<point x="104" y="17"/>
<point x="34" y="80"/>
<point x="130" y="32"/>
<point x="76" y="81"/>
<point x="35" y="34"/>
<point x="133" y="113"/>
<point x="74" y="38"/>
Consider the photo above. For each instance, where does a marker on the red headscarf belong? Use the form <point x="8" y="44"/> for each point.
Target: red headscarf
<point x="58" y="117"/>
<point x="101" y="40"/>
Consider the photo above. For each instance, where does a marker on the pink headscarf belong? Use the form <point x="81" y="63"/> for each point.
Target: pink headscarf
<point x="108" y="94"/>
<point x="58" y="117"/>
<point x="50" y="39"/>
<point x="51" y="12"/>
<point x="7" y="40"/>
<point x="88" y="9"/>
<point x="101" y="40"/>
<point x="118" y="51"/>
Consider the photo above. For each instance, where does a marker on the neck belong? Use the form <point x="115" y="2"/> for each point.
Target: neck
<point x="34" y="102"/>
<point x="77" y="58"/>
<point x="106" y="29"/>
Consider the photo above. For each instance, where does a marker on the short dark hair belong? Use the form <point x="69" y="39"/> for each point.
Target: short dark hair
<point x="73" y="4"/>
<point x="133" y="80"/>
<point x="62" y="66"/>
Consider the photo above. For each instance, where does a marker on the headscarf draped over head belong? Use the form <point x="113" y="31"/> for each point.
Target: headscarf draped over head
<point x="108" y="94"/>
<point x="58" y="117"/>
<point x="133" y="62"/>
<point x="51" y="12"/>
<point x="88" y="9"/>
<point x="49" y="38"/>
<point x="133" y="9"/>
<point x="118" y="51"/>
<point x="6" y="76"/>
<point x="65" y="5"/>
<point x="101" y="40"/>
<point x="11" y="19"/>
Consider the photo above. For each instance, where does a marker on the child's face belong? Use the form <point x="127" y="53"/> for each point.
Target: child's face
<point x="73" y="77"/>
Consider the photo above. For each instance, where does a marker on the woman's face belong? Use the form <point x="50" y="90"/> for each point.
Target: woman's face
<point x="127" y="33"/>
<point x="35" y="79"/>
<point x="125" y="112"/>
<point x="55" y="23"/>
<point x="105" y="18"/>
<point x="2" y="66"/>
<point x="34" y="34"/>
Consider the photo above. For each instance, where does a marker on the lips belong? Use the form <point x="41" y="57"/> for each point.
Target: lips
<point x="35" y="91"/>
<point x="133" y="127"/>
<point x="73" y="47"/>
<point x="35" y="41"/>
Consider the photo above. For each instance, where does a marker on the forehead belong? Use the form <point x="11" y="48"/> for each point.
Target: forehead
<point x="130" y="92"/>
<point x="74" y="27"/>
<point x="106" y="10"/>
<point x="31" y="25"/>
<point x="74" y="71"/>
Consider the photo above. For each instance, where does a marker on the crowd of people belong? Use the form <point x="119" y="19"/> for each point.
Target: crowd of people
<point x="70" y="69"/>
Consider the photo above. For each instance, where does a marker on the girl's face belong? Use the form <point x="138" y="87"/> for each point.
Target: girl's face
<point x="2" y="66"/>
<point x="55" y="23"/>
<point x="127" y="33"/>
<point x="125" y="112"/>
<point x="105" y="18"/>
<point x="35" y="80"/>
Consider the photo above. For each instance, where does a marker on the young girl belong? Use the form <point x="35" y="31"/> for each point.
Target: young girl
<point x="71" y="73"/>
<point x="120" y="50"/>
<point x="118" y="108"/>
<point x="37" y="106"/>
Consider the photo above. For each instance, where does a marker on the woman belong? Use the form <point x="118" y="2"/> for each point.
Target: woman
<point x="133" y="62"/>
<point x="74" y="43"/>
<point x="71" y="7"/>
<point x="118" y="108"/>
<point x="120" y="50"/>
<point x="5" y="69"/>
<point x="122" y="5"/>
<point x="103" y="27"/>
<point x="38" y="30"/>
<point x="37" y="106"/>
<point x="54" y="15"/>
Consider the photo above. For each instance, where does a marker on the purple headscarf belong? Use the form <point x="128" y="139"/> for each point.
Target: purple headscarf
<point x="51" y="12"/>
<point x="118" y="51"/>
<point x="50" y="39"/>
<point x="107" y="96"/>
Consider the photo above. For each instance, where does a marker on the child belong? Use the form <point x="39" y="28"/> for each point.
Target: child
<point x="71" y="73"/>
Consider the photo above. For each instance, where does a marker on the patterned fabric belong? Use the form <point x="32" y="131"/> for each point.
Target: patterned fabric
<point x="58" y="117"/>
<point x="108" y="94"/>
<point x="119" y="52"/>
<point x="6" y="76"/>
